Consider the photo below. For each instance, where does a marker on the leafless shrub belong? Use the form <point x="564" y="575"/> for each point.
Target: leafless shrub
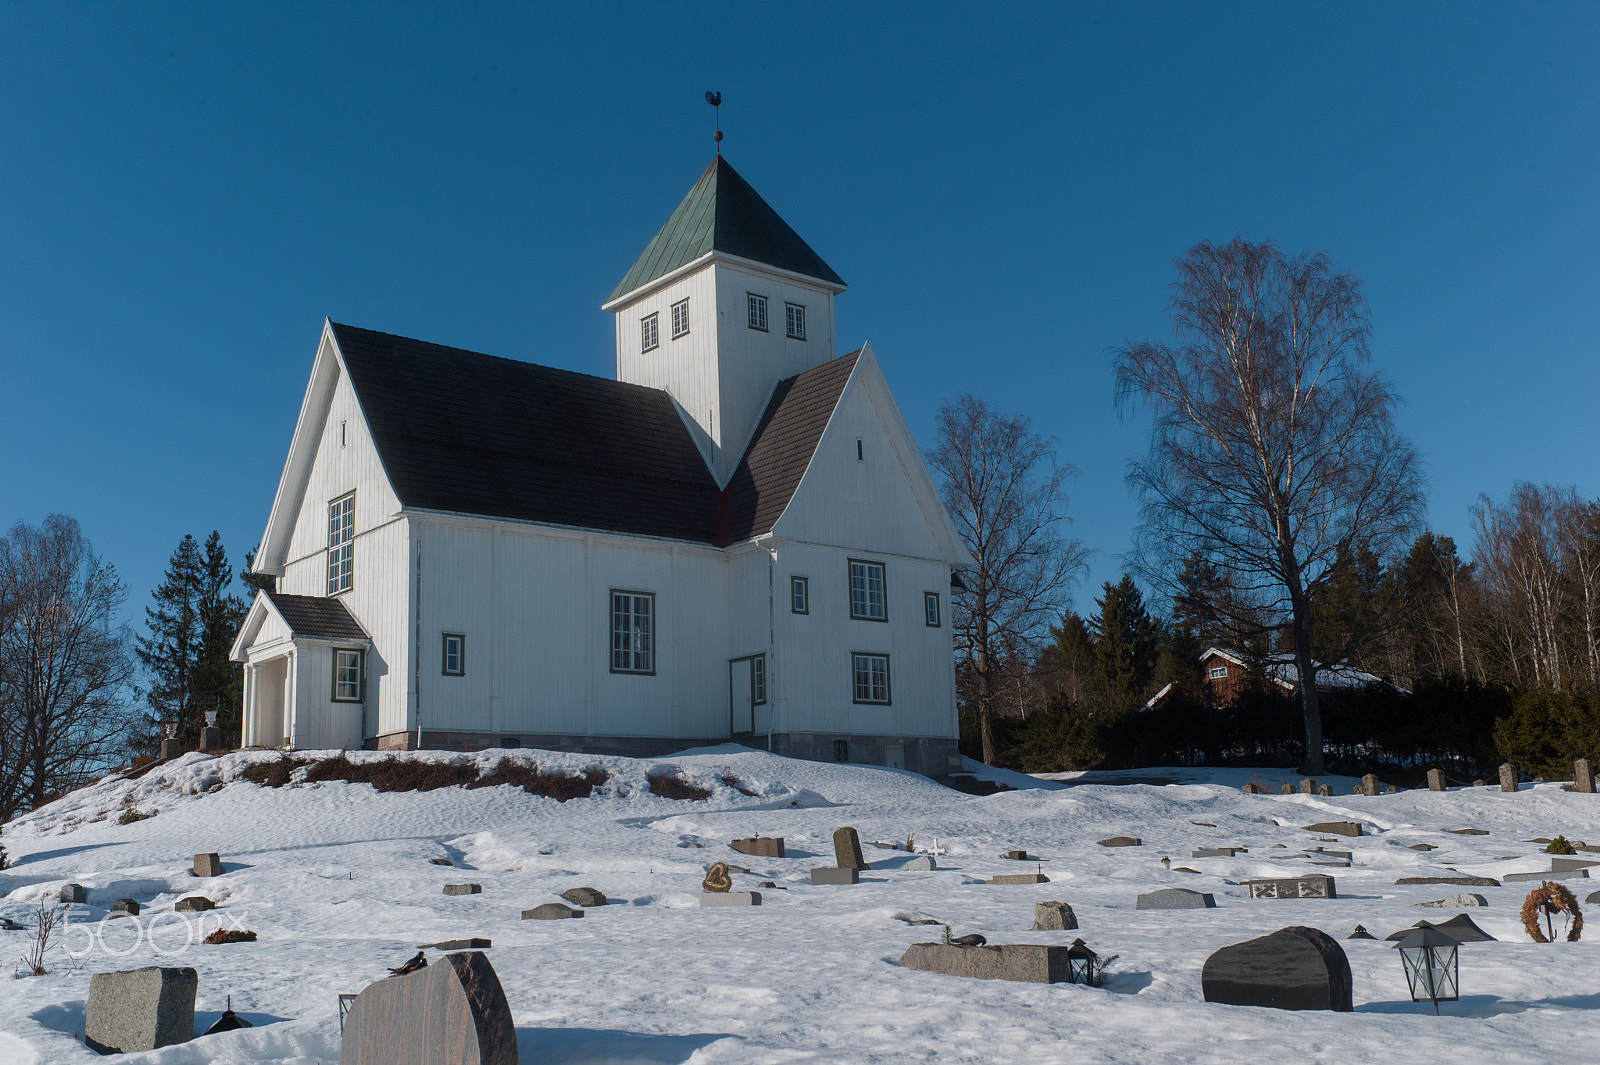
<point x="675" y="787"/>
<point x="45" y="921"/>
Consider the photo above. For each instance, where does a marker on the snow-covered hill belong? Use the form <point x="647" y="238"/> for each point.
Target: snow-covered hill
<point x="336" y="880"/>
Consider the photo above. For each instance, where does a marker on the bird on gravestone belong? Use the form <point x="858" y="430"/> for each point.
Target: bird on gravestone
<point x="418" y="962"/>
<point x="971" y="940"/>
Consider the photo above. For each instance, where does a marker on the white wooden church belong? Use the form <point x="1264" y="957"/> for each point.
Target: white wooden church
<point x="736" y="539"/>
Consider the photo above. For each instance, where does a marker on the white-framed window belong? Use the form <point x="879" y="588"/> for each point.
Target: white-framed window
<point x="796" y="316"/>
<point x="758" y="311"/>
<point x="758" y="680"/>
<point x="633" y="636"/>
<point x="930" y="609"/>
<point x="800" y="595"/>
<point x="453" y="660"/>
<point x="871" y="677"/>
<point x="347" y="674"/>
<point x="680" y="318"/>
<point x="867" y="598"/>
<point x="1218" y="673"/>
<point x="649" y="334"/>
<point x="341" y="544"/>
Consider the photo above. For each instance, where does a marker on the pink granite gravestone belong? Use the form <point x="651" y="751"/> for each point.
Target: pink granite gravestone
<point x="451" y="1013"/>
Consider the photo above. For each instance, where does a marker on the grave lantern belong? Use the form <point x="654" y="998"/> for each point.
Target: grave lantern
<point x="1083" y="965"/>
<point x="1429" y="957"/>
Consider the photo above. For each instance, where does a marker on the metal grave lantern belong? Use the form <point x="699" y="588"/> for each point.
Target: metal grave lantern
<point x="1429" y="957"/>
<point x="1083" y="965"/>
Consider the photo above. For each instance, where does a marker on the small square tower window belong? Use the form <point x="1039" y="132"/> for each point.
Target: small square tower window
<point x="758" y="311"/>
<point x="649" y="337"/>
<point x="797" y="320"/>
<point x="680" y="319"/>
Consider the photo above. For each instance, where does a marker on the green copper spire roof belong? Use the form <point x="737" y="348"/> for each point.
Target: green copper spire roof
<point x="723" y="213"/>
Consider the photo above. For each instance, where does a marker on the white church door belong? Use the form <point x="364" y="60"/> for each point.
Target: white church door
<point x="741" y="695"/>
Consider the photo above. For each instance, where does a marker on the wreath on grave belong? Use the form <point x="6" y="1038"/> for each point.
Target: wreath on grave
<point x="1549" y="899"/>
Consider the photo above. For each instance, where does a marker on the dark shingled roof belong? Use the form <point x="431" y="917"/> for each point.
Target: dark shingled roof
<point x="723" y="213"/>
<point x="783" y="444"/>
<point x="473" y="434"/>
<point x="316" y="616"/>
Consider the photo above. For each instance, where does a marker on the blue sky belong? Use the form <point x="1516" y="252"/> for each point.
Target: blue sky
<point x="186" y="191"/>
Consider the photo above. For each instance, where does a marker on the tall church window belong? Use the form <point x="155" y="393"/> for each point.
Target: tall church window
<point x="341" y="543"/>
<point x="871" y="676"/>
<point x="867" y="599"/>
<point x="797" y="320"/>
<point x="633" y="638"/>
<point x="757" y="306"/>
<point x="347" y="676"/>
<point x="648" y="338"/>
<point x="680" y="319"/>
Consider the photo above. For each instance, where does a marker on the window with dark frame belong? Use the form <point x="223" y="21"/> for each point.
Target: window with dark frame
<point x="680" y="318"/>
<point x="454" y="663"/>
<point x="799" y="595"/>
<point x="341" y="544"/>
<point x="347" y="675"/>
<point x="871" y="677"/>
<point x="758" y="310"/>
<point x="796" y="315"/>
<point x="868" y="601"/>
<point x="633" y="632"/>
<point x="649" y="337"/>
<point x="758" y="680"/>
<point x="930" y="609"/>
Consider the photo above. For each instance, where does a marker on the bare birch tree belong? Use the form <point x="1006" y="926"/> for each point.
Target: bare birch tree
<point x="1273" y="451"/>
<point x="1006" y="493"/>
<point x="64" y="691"/>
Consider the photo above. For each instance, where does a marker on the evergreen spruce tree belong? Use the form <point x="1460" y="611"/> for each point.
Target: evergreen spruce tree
<point x="1126" y="642"/>
<point x="170" y="653"/>
<point x="218" y="682"/>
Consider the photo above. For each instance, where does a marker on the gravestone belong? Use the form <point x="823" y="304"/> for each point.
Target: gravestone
<point x="1018" y="856"/>
<point x="847" y="849"/>
<point x="1218" y="852"/>
<point x="1122" y="841"/>
<point x="1369" y="784"/>
<point x="1594" y="896"/>
<point x="1583" y="776"/>
<point x="1285" y="789"/>
<point x="1464" y="881"/>
<point x="1026" y="962"/>
<point x="1325" y="790"/>
<point x="194" y="904"/>
<point x="1250" y="789"/>
<point x="73" y="893"/>
<point x="1554" y="874"/>
<point x="1316" y="886"/>
<point x="463" y="889"/>
<point x="474" y="943"/>
<point x="550" y="911"/>
<point x="1308" y="786"/>
<point x="441" y="861"/>
<point x="1346" y="855"/>
<point x="730" y="898"/>
<point x="1175" y="898"/>
<point x="1296" y="968"/>
<point x="140" y="1009"/>
<point x="452" y="1011"/>
<point x="207" y="865"/>
<point x="922" y="863"/>
<point x="1336" y="828"/>
<point x="1019" y="878"/>
<point x="1435" y="780"/>
<point x="1468" y="831"/>
<point x="1508" y="777"/>
<point x="1559" y="864"/>
<point x="584" y="896"/>
<point x="210" y="738"/>
<point x="760" y="846"/>
<point x="1422" y="847"/>
<point x="826" y="875"/>
<point x="1457" y="901"/>
<point x="1053" y="917"/>
<point x="124" y="908"/>
<point x="171" y="748"/>
<point x="1360" y="933"/>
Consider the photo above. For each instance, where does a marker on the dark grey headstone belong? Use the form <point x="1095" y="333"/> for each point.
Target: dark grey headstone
<point x="1554" y="874"/>
<point x="550" y="911"/>
<point x="1559" y="864"/>
<point x="1053" y="917"/>
<point x="1594" y="896"/>
<point x="1318" y="851"/>
<point x="1435" y="780"/>
<point x="1583" y="776"/>
<point x="210" y="738"/>
<point x="1469" y="831"/>
<point x="584" y="896"/>
<point x="125" y="908"/>
<point x="1296" y="968"/>
<point x="1027" y="962"/>
<point x="441" y="861"/>
<point x="847" y="849"/>
<point x="1175" y="898"/>
<point x="140" y="1009"/>
<point x="1122" y="841"/>
<point x="73" y="893"/>
<point x="1315" y="886"/>
<point x="1464" y="881"/>
<point x="474" y="943"/>
<point x="1018" y="856"/>
<point x="1508" y="777"/>
<point x="194" y="904"/>
<point x="1423" y="847"/>
<point x="171" y="748"/>
<point x="454" y="1011"/>
<point x="826" y="875"/>
<point x="1336" y="828"/>
<point x="463" y="889"/>
<point x="760" y="846"/>
<point x="207" y="864"/>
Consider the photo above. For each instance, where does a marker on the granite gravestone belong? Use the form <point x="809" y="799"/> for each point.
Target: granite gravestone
<point x="124" y="908"/>
<point x="1175" y="898"/>
<point x="921" y="864"/>
<point x="207" y="864"/>
<point x="73" y="893"/>
<point x="1019" y="878"/>
<point x="1250" y="789"/>
<point x="730" y="898"/>
<point x="847" y="849"/>
<point x="1336" y="828"/>
<point x="1217" y="852"/>
<point x="1053" y="917"/>
<point x="759" y="846"/>
<point x="1456" y="901"/>
<point x="453" y="1012"/>
<point x="1285" y="789"/>
<point x="1463" y="881"/>
<point x="194" y="904"/>
<point x="550" y="911"/>
<point x="842" y="875"/>
<point x="1559" y="864"/>
<point x="1554" y="874"/>
<point x="1508" y="777"/>
<point x="584" y="896"/>
<point x="1435" y="780"/>
<point x="463" y="889"/>
<point x="1308" y="786"/>
<point x="1594" y="896"/>
<point x="1026" y="962"/>
<point x="1316" y="886"/>
<point x="1583" y="776"/>
<point x="1325" y="790"/>
<point x="140" y="1009"/>
<point x="1295" y="968"/>
<point x="1122" y="841"/>
<point x="1369" y="784"/>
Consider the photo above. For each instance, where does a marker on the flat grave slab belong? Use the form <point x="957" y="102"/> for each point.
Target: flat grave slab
<point x="1463" y="900"/>
<point x="1336" y="828"/>
<point x="1176" y="898"/>
<point x="1019" y="878"/>
<point x="760" y="846"/>
<point x="1025" y="962"/>
<point x="1122" y="841"/>
<point x="1464" y="881"/>
<point x="584" y="896"/>
<point x="472" y="943"/>
<point x="730" y="898"/>
<point x="1554" y="874"/>
<point x="550" y="911"/>
<point x="825" y="875"/>
<point x="1561" y="864"/>
<point x="463" y="889"/>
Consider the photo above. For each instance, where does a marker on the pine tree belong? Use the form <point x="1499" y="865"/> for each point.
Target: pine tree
<point x="170" y="653"/>
<point x="218" y="682"/>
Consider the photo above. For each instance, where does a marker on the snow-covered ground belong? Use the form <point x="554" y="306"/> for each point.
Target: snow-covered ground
<point x="336" y="880"/>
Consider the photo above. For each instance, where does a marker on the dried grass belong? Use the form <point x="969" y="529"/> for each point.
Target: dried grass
<point x="674" y="787"/>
